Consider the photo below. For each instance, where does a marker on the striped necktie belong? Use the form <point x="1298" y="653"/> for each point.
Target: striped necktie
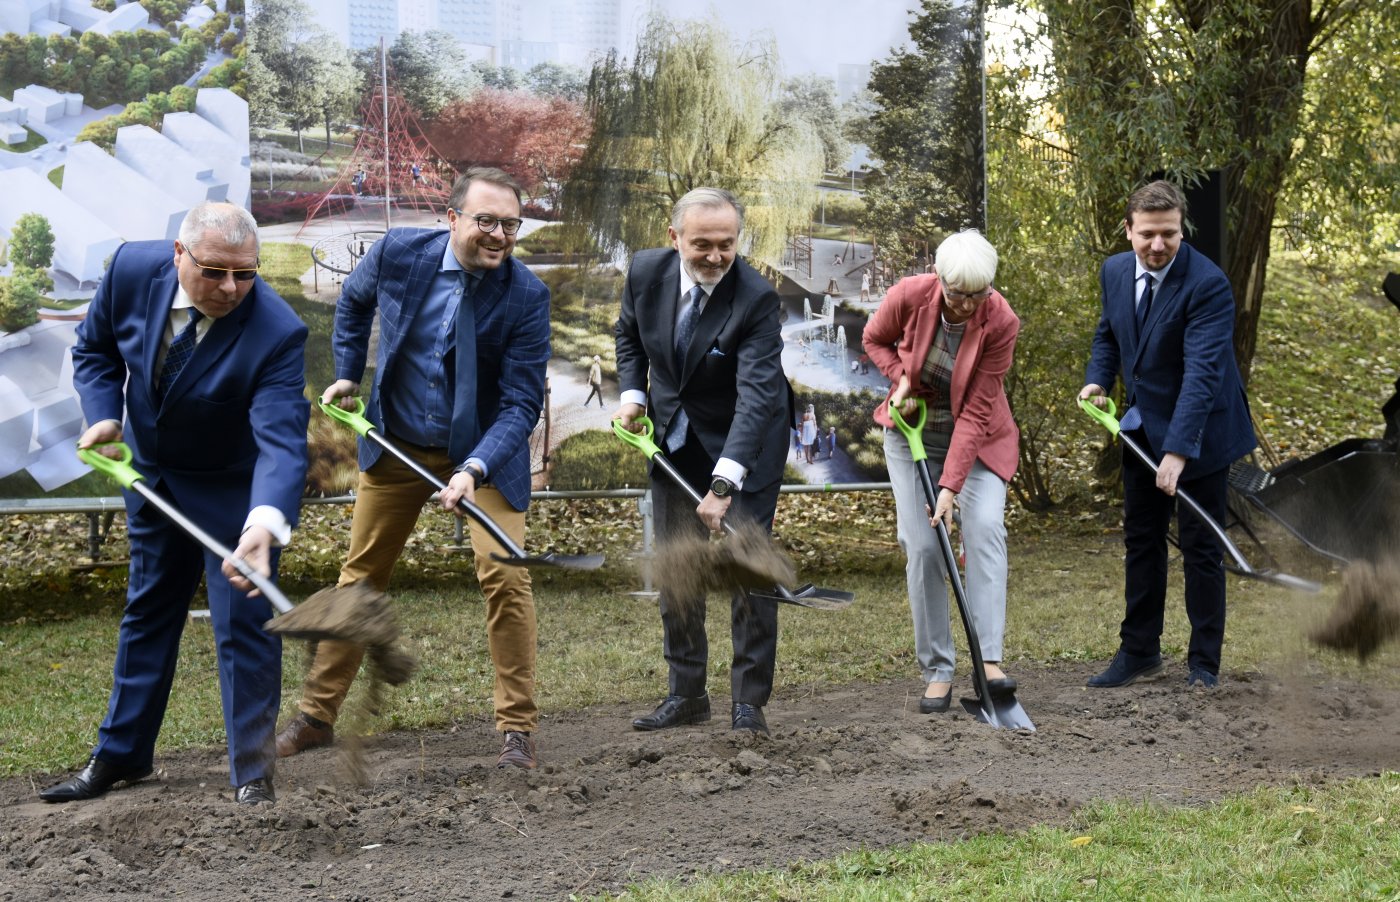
<point x="675" y="435"/>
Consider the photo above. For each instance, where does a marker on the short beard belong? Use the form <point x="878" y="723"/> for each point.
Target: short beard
<point x="696" y="276"/>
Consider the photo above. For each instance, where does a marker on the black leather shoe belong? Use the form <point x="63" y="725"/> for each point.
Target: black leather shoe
<point x="1127" y="669"/>
<point x="675" y="711"/>
<point x="92" y="781"/>
<point x="256" y="792"/>
<point x="936" y="705"/>
<point x="749" y="717"/>
<point x="1001" y="687"/>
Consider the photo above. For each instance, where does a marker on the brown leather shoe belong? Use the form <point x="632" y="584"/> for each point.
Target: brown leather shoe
<point x="519" y="751"/>
<point x="301" y="733"/>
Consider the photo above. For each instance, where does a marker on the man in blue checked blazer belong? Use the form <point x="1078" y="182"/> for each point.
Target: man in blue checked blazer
<point x="192" y="360"/>
<point x="458" y="383"/>
<point x="1167" y="328"/>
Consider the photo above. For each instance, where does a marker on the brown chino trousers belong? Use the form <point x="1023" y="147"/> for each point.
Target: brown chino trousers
<point x="389" y="500"/>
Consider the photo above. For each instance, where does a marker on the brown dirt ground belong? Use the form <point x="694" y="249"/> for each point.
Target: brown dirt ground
<point x="852" y="767"/>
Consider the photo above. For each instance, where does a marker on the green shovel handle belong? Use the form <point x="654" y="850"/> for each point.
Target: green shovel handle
<point x="642" y="441"/>
<point x="355" y="419"/>
<point x="913" y="432"/>
<point x="120" y="470"/>
<point x="1106" y="418"/>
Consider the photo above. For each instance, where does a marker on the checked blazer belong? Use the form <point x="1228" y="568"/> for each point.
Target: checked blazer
<point x="512" y="345"/>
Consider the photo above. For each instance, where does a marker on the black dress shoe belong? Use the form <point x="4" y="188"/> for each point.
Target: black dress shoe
<point x="256" y="792"/>
<point x="675" y="711"/>
<point x="936" y="705"/>
<point x="92" y="781"/>
<point x="1001" y="687"/>
<point x="1127" y="669"/>
<point x="749" y="717"/>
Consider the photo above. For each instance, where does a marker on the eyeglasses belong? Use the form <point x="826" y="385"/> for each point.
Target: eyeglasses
<point x="955" y="295"/>
<point x="217" y="273"/>
<point x="488" y="223"/>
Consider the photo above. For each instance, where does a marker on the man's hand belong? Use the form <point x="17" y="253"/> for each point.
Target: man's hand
<point x="1169" y="471"/>
<point x="627" y="414"/>
<point x="343" y="392"/>
<point x="900" y="399"/>
<point x="100" y="433"/>
<point x="1094" y="394"/>
<point x="712" y="510"/>
<point x="461" y="485"/>
<point x="255" y="550"/>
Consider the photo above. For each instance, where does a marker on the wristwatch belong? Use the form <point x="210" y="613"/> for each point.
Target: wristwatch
<point x="721" y="487"/>
<point x="475" y="473"/>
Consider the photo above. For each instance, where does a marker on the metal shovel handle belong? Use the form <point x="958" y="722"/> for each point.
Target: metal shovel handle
<point x="355" y="419"/>
<point x="1108" y="419"/>
<point x="126" y="475"/>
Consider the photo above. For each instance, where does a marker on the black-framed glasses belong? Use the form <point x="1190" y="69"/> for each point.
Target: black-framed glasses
<point x="217" y="273"/>
<point x="955" y="295"/>
<point x="488" y="223"/>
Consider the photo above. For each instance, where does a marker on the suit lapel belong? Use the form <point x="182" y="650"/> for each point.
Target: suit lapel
<point x="664" y="296"/>
<point x="969" y="351"/>
<point x="223" y="332"/>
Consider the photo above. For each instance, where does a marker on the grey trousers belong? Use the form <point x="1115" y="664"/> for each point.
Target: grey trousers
<point x="982" y="504"/>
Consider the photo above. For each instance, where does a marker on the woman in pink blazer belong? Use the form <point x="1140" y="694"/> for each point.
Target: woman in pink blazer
<point x="948" y="338"/>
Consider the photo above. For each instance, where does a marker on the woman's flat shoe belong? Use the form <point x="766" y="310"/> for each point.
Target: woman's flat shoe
<point x="936" y="705"/>
<point x="1002" y="687"/>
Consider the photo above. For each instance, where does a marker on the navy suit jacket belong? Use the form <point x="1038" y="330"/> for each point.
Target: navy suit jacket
<point x="512" y="345"/>
<point x="231" y="434"/>
<point x="731" y="383"/>
<point x="1180" y="373"/>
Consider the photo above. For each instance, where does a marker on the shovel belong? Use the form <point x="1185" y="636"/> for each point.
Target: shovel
<point x="806" y="596"/>
<point x="1237" y="564"/>
<point x="1002" y="712"/>
<point x="515" y="555"/>
<point x="352" y="614"/>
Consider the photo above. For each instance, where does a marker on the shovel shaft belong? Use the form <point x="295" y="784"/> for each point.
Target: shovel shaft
<point x="264" y="585"/>
<point x="463" y="505"/>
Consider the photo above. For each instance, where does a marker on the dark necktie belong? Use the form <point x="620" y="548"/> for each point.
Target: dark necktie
<point x="465" y="430"/>
<point x="675" y="436"/>
<point x="1144" y="305"/>
<point x="181" y="349"/>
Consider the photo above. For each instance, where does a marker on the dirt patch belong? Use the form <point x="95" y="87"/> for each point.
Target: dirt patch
<point x="1367" y="613"/>
<point x="846" y="768"/>
<point x="689" y="568"/>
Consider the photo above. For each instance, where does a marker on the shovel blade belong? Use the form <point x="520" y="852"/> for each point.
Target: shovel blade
<point x="809" y="596"/>
<point x="566" y="561"/>
<point x="1001" y="713"/>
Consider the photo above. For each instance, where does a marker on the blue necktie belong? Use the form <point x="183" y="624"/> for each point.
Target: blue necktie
<point x="1144" y="305"/>
<point x="675" y="436"/>
<point x="466" y="429"/>
<point x="181" y="349"/>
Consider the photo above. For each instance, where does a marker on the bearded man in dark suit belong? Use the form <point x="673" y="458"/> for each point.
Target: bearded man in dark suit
<point x="699" y="347"/>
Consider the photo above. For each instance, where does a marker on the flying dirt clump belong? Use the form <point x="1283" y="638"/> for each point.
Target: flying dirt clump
<point x="1367" y="613"/>
<point x="691" y="567"/>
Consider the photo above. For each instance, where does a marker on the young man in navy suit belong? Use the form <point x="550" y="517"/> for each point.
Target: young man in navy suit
<point x="458" y="383"/>
<point x="1167" y="328"/>
<point x="205" y="364"/>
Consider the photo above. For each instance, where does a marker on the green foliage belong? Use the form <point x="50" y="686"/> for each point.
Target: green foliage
<point x="430" y="70"/>
<point x="19" y="300"/>
<point x="694" y="108"/>
<point x="812" y="98"/>
<point x="852" y="413"/>
<point x="105" y="69"/>
<point x="927" y="133"/>
<point x="557" y="238"/>
<point x="31" y="242"/>
<point x="584" y="302"/>
<point x="596" y="459"/>
<point x="297" y="72"/>
<point x="554" y="80"/>
<point x="148" y="112"/>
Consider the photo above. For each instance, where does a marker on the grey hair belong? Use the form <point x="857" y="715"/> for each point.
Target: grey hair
<point x="234" y="225"/>
<point x="708" y="198"/>
<point x="966" y="261"/>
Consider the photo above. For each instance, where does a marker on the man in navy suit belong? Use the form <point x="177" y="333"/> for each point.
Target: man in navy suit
<point x="1167" y="327"/>
<point x="699" y="344"/>
<point x="458" y="383"/>
<point x="205" y="363"/>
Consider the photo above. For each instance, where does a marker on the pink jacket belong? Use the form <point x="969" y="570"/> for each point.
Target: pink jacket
<point x="898" y="338"/>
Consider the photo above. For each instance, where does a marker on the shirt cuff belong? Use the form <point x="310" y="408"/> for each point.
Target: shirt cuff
<point x="271" y="519"/>
<point x="731" y="470"/>
<point x="634" y="396"/>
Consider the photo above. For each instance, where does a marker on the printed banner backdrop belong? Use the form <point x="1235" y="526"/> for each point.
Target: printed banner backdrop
<point x="361" y="113"/>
